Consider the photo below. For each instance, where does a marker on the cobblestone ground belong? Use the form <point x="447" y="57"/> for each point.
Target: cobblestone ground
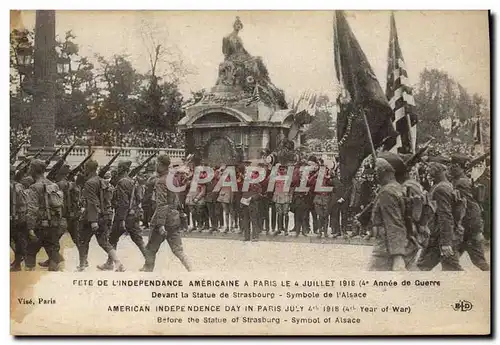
<point x="228" y="253"/>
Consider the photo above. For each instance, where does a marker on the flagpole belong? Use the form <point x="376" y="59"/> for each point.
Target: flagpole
<point x="367" y="126"/>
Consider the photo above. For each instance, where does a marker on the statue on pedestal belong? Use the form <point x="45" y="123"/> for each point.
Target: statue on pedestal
<point x="240" y="69"/>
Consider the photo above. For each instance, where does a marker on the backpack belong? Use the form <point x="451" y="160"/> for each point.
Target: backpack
<point x="54" y="200"/>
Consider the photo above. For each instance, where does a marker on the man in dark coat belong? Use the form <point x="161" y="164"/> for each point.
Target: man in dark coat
<point x="473" y="227"/>
<point x="43" y="222"/>
<point x="127" y="199"/>
<point x="392" y="251"/>
<point x="97" y="216"/>
<point x="166" y="221"/>
<point x="446" y="234"/>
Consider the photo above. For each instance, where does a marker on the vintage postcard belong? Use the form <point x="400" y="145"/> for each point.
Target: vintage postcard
<point x="250" y="173"/>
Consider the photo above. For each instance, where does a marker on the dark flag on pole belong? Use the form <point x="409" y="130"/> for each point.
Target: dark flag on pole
<point x="361" y="95"/>
<point x="400" y="96"/>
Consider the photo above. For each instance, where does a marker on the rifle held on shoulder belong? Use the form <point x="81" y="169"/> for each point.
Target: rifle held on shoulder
<point x="138" y="168"/>
<point x="53" y="171"/>
<point x="56" y="152"/>
<point x="14" y="152"/>
<point x="22" y="168"/>
<point x="79" y="167"/>
<point x="106" y="168"/>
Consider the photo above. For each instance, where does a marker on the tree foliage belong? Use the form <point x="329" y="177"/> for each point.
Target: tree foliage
<point x="447" y="111"/>
<point x="103" y="93"/>
<point x="322" y="127"/>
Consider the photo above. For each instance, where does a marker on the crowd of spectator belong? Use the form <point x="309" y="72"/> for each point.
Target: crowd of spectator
<point x="317" y="145"/>
<point x="133" y="138"/>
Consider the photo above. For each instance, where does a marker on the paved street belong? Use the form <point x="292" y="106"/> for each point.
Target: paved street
<point x="226" y="253"/>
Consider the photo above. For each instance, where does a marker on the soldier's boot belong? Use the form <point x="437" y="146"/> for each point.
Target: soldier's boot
<point x="149" y="262"/>
<point x="83" y="265"/>
<point x="108" y="265"/>
<point x="15" y="266"/>
<point x="146" y="268"/>
<point x="113" y="259"/>
<point x="44" y="264"/>
<point x="54" y="266"/>
<point x="120" y="268"/>
<point x="287" y="219"/>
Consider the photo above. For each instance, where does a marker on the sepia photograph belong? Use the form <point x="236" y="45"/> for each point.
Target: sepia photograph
<point x="250" y="172"/>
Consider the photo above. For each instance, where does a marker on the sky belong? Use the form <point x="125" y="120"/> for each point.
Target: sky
<point x="296" y="46"/>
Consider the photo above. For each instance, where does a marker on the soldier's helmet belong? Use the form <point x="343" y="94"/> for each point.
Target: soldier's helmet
<point x="124" y="165"/>
<point x="91" y="166"/>
<point x="163" y="163"/>
<point x="395" y="161"/>
<point x="382" y="166"/>
<point x="460" y="159"/>
<point x="37" y="166"/>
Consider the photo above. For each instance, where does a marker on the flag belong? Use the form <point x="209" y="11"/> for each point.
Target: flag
<point x="361" y="92"/>
<point x="478" y="150"/>
<point x="305" y="108"/>
<point x="400" y="96"/>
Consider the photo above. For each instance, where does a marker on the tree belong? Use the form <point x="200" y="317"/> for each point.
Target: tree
<point x="160" y="100"/>
<point x="322" y="126"/>
<point x="446" y="110"/>
<point x="121" y="86"/>
<point x="20" y="81"/>
<point x="77" y="89"/>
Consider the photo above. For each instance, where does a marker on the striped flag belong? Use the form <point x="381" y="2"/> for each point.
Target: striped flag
<point x="400" y="96"/>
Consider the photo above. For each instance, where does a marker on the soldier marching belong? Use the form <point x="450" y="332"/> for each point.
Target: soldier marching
<point x="413" y="226"/>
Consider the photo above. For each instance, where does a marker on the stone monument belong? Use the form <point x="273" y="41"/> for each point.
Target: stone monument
<point x="244" y="116"/>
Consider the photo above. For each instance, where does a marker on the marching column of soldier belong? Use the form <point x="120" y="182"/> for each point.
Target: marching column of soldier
<point x="416" y="222"/>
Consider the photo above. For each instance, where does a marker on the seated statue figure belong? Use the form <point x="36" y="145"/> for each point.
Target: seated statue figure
<point x="239" y="67"/>
<point x="244" y="70"/>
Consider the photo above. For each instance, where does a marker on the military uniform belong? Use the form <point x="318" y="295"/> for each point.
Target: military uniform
<point x="388" y="218"/>
<point x="166" y="222"/>
<point x="127" y="199"/>
<point x="338" y="208"/>
<point x="195" y="199"/>
<point x="42" y="221"/>
<point x="250" y="212"/>
<point x="225" y="198"/>
<point x="71" y="208"/>
<point x="212" y="205"/>
<point x="282" y="199"/>
<point x="149" y="204"/>
<point x="300" y="205"/>
<point x="97" y="209"/>
<point x="18" y="228"/>
<point x="322" y="203"/>
<point x="473" y="227"/>
<point x="444" y="231"/>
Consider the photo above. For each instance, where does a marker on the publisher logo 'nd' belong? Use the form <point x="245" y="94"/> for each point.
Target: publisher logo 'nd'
<point x="462" y="306"/>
